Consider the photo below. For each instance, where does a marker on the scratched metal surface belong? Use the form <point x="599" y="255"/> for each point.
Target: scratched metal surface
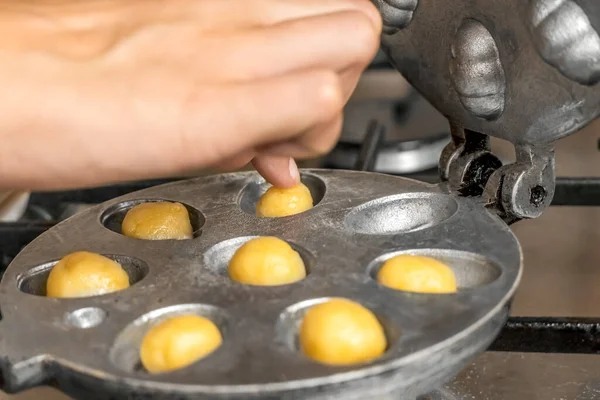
<point x="358" y="221"/>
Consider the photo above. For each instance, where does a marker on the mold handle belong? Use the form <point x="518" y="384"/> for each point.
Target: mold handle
<point x="23" y="375"/>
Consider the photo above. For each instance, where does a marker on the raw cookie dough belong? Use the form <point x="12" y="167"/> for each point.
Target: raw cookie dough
<point x="84" y="274"/>
<point x="178" y="342"/>
<point x="341" y="332"/>
<point x="266" y="261"/>
<point x="417" y="274"/>
<point x="277" y="202"/>
<point x="158" y="221"/>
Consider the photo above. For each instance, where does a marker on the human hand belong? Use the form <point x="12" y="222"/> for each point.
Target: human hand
<point x="108" y="90"/>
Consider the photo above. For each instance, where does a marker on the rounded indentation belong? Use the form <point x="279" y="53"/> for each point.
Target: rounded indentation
<point x="396" y="14"/>
<point x="217" y="257"/>
<point x="565" y="38"/>
<point x="471" y="270"/>
<point x="125" y="352"/>
<point x="288" y="324"/>
<point x="476" y="71"/>
<point x="252" y="191"/>
<point x="113" y="217"/>
<point x="34" y="280"/>
<point x="85" y="318"/>
<point x="401" y="213"/>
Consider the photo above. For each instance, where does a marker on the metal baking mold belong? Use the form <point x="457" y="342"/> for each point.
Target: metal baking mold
<point x="523" y="71"/>
<point x="88" y="347"/>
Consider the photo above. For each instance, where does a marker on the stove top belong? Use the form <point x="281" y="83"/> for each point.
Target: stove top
<point x="550" y="348"/>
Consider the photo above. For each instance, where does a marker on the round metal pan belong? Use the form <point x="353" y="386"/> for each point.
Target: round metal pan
<point x="89" y="347"/>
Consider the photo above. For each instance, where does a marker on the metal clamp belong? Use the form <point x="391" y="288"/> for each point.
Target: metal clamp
<point x="521" y="190"/>
<point x="523" y="71"/>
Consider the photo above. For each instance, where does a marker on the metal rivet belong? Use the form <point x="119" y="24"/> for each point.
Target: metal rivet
<point x="85" y="318"/>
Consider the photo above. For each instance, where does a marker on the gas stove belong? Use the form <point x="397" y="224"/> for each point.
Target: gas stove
<point x="549" y="347"/>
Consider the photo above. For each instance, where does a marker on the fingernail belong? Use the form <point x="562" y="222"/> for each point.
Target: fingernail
<point x="294" y="173"/>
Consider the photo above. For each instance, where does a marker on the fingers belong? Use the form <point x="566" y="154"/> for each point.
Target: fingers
<point x="316" y="141"/>
<point x="337" y="41"/>
<point x="254" y="114"/>
<point x="169" y="99"/>
<point x="349" y="79"/>
<point x="278" y="171"/>
<point x="216" y="124"/>
<point x="233" y="14"/>
<point x="237" y="161"/>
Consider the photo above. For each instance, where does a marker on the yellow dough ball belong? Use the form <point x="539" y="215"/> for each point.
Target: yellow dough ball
<point x="417" y="274"/>
<point x="178" y="342"/>
<point x="341" y="332"/>
<point x="277" y="202"/>
<point x="158" y="221"/>
<point x="266" y="261"/>
<point x="84" y="274"/>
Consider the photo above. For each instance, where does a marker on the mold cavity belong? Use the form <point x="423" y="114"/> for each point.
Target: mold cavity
<point x="471" y="270"/>
<point x="34" y="280"/>
<point x="401" y="213"/>
<point x="217" y="257"/>
<point x="252" y="191"/>
<point x="125" y="352"/>
<point x="113" y="217"/>
<point x="86" y="318"/>
<point x="287" y="328"/>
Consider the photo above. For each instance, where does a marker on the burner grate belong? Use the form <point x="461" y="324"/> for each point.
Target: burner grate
<point x="550" y="335"/>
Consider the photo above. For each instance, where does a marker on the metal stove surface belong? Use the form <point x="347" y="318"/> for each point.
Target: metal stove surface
<point x="561" y="278"/>
<point x="520" y="376"/>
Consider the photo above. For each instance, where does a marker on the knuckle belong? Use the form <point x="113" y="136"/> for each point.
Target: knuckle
<point x="365" y="37"/>
<point x="372" y="12"/>
<point x="322" y="141"/>
<point x="320" y="149"/>
<point x="330" y="97"/>
<point x="377" y="19"/>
